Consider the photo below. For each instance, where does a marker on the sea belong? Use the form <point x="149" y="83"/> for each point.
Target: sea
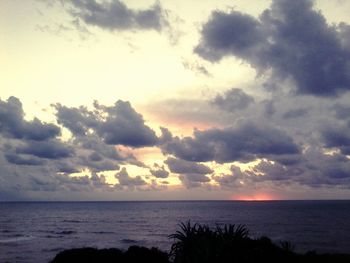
<point x="37" y="231"/>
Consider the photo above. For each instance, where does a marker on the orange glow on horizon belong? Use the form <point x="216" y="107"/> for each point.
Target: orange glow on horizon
<point x="255" y="197"/>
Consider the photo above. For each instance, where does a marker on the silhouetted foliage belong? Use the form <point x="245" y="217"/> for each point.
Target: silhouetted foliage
<point x="134" y="254"/>
<point x="231" y="243"/>
<point x="195" y="243"/>
<point x="287" y="246"/>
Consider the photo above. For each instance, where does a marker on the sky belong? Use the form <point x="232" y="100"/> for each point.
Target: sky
<point x="174" y="100"/>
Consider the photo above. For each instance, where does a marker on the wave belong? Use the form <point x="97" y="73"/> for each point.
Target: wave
<point x="63" y="232"/>
<point x="6" y="231"/>
<point x="16" y="239"/>
<point x="74" y="221"/>
<point x="128" y="241"/>
<point x="66" y="232"/>
<point x="102" y="232"/>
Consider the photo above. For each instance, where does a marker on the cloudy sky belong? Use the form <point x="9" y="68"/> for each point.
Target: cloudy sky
<point x="144" y="100"/>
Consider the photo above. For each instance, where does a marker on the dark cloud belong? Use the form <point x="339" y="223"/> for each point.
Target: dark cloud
<point x="66" y="168"/>
<point x="42" y="183"/>
<point x="344" y="30"/>
<point x="245" y="142"/>
<point x="128" y="181"/>
<point x="269" y="108"/>
<point x="116" y="16"/>
<point x="317" y="169"/>
<point x="295" y="113"/>
<point x="35" y="167"/>
<point x="186" y="167"/>
<point x="13" y="124"/>
<point x="288" y="159"/>
<point x="232" y="100"/>
<point x="23" y="160"/>
<point x="325" y="169"/>
<point x="95" y="157"/>
<point x="82" y="183"/>
<point x="97" y="165"/>
<point x="99" y="181"/>
<point x="314" y="54"/>
<point x="272" y="171"/>
<point x="336" y="137"/>
<point x="232" y="180"/>
<point x="341" y="111"/>
<point x="118" y="124"/>
<point x="51" y="149"/>
<point x="194" y="180"/>
<point x="166" y="135"/>
<point x="98" y="149"/>
<point x="77" y="120"/>
<point x="233" y="33"/>
<point x="125" y="126"/>
<point x="95" y="133"/>
<point x="159" y="171"/>
<point x="93" y="154"/>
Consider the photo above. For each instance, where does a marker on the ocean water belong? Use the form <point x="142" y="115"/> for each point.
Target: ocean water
<point x="37" y="231"/>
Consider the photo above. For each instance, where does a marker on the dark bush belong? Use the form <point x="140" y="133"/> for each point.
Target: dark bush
<point x="134" y="254"/>
<point x="201" y="244"/>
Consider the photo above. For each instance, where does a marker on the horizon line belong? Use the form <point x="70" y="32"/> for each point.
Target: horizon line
<point x="170" y="200"/>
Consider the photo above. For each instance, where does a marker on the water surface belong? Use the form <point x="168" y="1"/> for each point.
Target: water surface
<point x="36" y="231"/>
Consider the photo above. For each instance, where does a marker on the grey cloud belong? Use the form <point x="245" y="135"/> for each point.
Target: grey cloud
<point x="42" y="183"/>
<point x="98" y="164"/>
<point x="295" y="113"/>
<point x="95" y="133"/>
<point x="317" y="169"/>
<point x="95" y="157"/>
<point x="289" y="159"/>
<point x="126" y="180"/>
<point x="159" y="171"/>
<point x="166" y="135"/>
<point x="118" y="124"/>
<point x="193" y="180"/>
<point x="99" y="181"/>
<point x="344" y="31"/>
<point x="233" y="33"/>
<point x="231" y="180"/>
<point x="269" y="107"/>
<point x="116" y="16"/>
<point x="52" y="149"/>
<point x="326" y="169"/>
<point x="336" y="137"/>
<point x="93" y="154"/>
<point x="272" y="171"/>
<point x="264" y="171"/>
<point x="125" y="126"/>
<point x="196" y="68"/>
<point x="77" y="120"/>
<point x="13" y="124"/>
<point x="67" y="168"/>
<point x="341" y="111"/>
<point x="308" y="50"/>
<point x="34" y="181"/>
<point x="233" y="99"/>
<point x="227" y="181"/>
<point x="99" y="149"/>
<point x="74" y="184"/>
<point x="186" y="167"/>
<point x="244" y="142"/>
<point x="23" y="160"/>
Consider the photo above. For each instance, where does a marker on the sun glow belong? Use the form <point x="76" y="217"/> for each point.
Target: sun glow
<point x="255" y="197"/>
